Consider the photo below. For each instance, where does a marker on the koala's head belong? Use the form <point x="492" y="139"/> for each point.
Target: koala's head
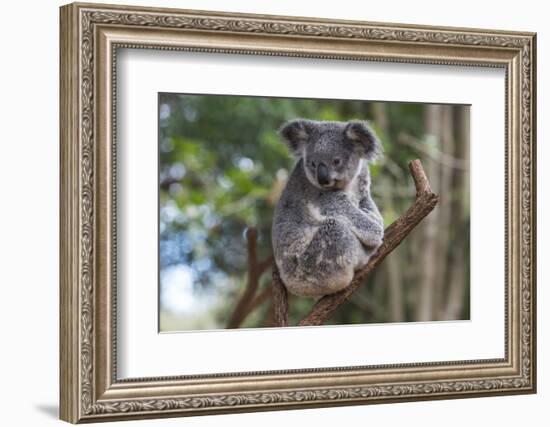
<point x="332" y="152"/>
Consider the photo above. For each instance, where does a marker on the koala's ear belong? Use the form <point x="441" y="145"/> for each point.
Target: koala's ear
<point x="296" y="133"/>
<point x="360" y="132"/>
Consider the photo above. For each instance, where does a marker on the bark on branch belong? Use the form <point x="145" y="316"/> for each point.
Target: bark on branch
<point x="280" y="299"/>
<point x="425" y="202"/>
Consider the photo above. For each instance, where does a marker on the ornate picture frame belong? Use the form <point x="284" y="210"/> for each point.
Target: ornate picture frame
<point x="90" y="37"/>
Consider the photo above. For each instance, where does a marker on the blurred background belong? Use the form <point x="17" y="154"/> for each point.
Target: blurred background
<point x="222" y="169"/>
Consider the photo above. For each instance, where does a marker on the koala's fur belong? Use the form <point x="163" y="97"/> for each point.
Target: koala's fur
<point x="326" y="225"/>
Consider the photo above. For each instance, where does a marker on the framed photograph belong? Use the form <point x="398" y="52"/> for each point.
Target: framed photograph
<point x="266" y="212"/>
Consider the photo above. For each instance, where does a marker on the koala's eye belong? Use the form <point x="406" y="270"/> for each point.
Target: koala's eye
<point x="312" y="163"/>
<point x="337" y="162"/>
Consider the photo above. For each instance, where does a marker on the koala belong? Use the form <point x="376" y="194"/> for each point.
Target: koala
<point x="326" y="225"/>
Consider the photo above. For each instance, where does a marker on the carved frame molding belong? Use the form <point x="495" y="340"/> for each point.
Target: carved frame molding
<point x="90" y="37"/>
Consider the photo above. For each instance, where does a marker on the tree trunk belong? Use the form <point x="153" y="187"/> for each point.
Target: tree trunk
<point x="454" y="304"/>
<point x="445" y="211"/>
<point x="425" y="301"/>
<point x="393" y="268"/>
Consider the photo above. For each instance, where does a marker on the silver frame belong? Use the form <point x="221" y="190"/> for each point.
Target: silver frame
<point x="90" y="37"/>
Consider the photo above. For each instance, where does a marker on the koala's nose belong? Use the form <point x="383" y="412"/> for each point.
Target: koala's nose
<point x="322" y="174"/>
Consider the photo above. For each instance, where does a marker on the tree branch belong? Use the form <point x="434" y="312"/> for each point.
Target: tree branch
<point x="240" y="311"/>
<point x="280" y="299"/>
<point x="425" y="202"/>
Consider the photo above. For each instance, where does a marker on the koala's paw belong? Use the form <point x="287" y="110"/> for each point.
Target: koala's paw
<point x="375" y="243"/>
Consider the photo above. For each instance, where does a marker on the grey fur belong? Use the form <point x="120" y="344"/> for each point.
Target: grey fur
<point x="326" y="225"/>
